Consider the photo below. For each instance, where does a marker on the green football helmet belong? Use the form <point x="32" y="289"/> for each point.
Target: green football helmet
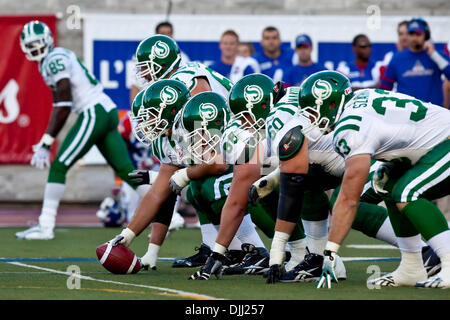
<point x="157" y="56"/>
<point x="36" y="40"/>
<point x="154" y="109"/>
<point x="200" y="125"/>
<point x="322" y="98"/>
<point x="250" y="101"/>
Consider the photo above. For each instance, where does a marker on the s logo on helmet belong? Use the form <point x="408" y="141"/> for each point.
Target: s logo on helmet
<point x="253" y="94"/>
<point x="321" y="89"/>
<point x="168" y="95"/>
<point x="161" y="49"/>
<point x="208" y="111"/>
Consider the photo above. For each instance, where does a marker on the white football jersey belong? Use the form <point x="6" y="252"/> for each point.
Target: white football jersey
<point x="235" y="144"/>
<point x="283" y="117"/>
<point x="167" y="151"/>
<point x="86" y="91"/>
<point x="190" y="71"/>
<point x="239" y="66"/>
<point x="389" y="125"/>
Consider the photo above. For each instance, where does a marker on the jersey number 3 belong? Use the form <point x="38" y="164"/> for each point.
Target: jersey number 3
<point x="379" y="106"/>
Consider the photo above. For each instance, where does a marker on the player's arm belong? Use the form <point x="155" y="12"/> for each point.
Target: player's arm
<point x="356" y="171"/>
<point x="236" y="204"/>
<point x="150" y="204"/>
<point x="182" y="177"/>
<point x="62" y="103"/>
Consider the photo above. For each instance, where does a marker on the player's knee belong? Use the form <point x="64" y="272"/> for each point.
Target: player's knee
<point x="57" y="172"/>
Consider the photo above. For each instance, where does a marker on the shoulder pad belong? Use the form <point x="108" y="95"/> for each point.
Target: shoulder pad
<point x="290" y="144"/>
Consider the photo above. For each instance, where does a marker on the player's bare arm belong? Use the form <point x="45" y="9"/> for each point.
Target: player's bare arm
<point x="236" y="204"/>
<point x="344" y="211"/>
<point x="149" y="205"/>
<point x="62" y="98"/>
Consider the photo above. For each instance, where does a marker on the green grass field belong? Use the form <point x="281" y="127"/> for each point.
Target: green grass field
<point x="28" y="280"/>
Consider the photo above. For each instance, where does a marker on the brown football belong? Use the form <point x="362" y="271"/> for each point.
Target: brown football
<point x="118" y="259"/>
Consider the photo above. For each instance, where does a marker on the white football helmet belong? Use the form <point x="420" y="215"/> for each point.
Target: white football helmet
<point x="36" y="40"/>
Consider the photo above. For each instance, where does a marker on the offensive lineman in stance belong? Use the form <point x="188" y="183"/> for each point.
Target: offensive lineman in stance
<point x="412" y="137"/>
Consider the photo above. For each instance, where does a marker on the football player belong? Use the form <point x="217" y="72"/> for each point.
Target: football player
<point x="76" y="90"/>
<point x="412" y="137"/>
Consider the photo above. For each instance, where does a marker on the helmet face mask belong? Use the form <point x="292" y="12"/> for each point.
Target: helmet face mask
<point x="251" y="99"/>
<point x="199" y="127"/>
<point x="322" y="98"/>
<point x="36" y="40"/>
<point x="202" y="146"/>
<point x="153" y="113"/>
<point x="149" y="125"/>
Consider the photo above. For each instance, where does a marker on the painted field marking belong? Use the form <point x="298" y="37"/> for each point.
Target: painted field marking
<point x="366" y="259"/>
<point x="371" y="246"/>
<point x="179" y="293"/>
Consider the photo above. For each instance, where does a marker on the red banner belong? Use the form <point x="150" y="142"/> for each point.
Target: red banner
<point x="25" y="99"/>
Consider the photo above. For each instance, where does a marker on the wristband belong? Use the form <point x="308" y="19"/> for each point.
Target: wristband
<point x="128" y="234"/>
<point x="63" y="104"/>
<point x="332" y="246"/>
<point x="47" y="140"/>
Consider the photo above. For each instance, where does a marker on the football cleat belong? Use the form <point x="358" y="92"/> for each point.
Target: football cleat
<point x="36" y="233"/>
<point x="255" y="261"/>
<point x="433" y="282"/>
<point x="431" y="261"/>
<point x="197" y="260"/>
<point x="214" y="265"/>
<point x="384" y="281"/>
<point x="308" y="270"/>
<point x="233" y="257"/>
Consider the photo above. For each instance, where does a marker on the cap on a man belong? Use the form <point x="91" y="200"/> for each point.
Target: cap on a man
<point x="303" y="40"/>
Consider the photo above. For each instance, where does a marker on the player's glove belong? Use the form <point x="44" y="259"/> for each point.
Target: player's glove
<point x="214" y="265"/>
<point x="41" y="156"/>
<point x="328" y="270"/>
<point x="274" y="274"/>
<point x="381" y="178"/>
<point x="125" y="238"/>
<point x="179" y="180"/>
<point x="139" y="177"/>
<point x="264" y="186"/>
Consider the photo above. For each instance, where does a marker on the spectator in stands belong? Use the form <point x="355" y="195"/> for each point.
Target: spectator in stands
<point x="417" y="70"/>
<point x="402" y="43"/>
<point x="362" y="72"/>
<point x="273" y="60"/>
<point x="166" y="28"/>
<point x="245" y="49"/>
<point x="446" y="85"/>
<point x="230" y="64"/>
<point x="295" y="75"/>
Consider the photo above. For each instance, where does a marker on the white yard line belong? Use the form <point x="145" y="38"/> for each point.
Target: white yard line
<point x="371" y="246"/>
<point x="185" y="294"/>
